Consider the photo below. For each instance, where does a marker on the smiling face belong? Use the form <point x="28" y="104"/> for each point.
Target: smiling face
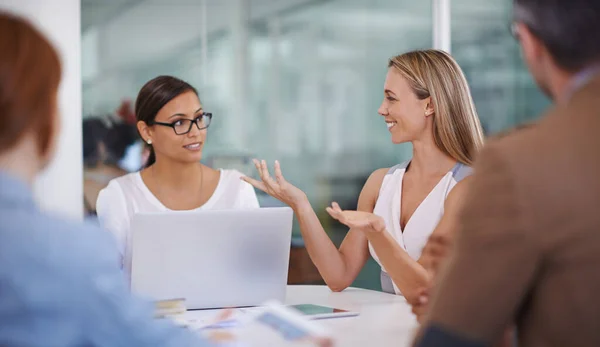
<point x="166" y="143"/>
<point x="407" y="117"/>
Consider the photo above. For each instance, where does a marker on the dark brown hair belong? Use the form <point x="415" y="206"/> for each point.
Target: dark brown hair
<point x="153" y="96"/>
<point x="30" y="73"/>
<point x="568" y="29"/>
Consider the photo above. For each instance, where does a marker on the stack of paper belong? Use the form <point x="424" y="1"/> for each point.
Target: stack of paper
<point x="171" y="307"/>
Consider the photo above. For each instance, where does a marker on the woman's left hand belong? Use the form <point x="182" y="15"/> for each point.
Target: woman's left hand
<point x="419" y="306"/>
<point x="364" y="221"/>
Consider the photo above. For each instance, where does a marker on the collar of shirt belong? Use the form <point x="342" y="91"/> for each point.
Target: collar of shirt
<point x="14" y="191"/>
<point x="582" y="78"/>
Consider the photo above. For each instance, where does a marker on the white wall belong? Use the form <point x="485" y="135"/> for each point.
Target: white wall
<point x="60" y="188"/>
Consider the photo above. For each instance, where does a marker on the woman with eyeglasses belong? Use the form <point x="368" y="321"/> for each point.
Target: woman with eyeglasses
<point x="172" y="121"/>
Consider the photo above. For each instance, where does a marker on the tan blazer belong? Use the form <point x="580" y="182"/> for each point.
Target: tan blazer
<point x="528" y="246"/>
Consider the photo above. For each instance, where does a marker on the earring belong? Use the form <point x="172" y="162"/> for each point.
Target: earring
<point x="428" y="110"/>
<point x="149" y="142"/>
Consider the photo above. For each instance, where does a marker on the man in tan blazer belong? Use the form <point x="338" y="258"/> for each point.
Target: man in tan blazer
<point x="527" y="248"/>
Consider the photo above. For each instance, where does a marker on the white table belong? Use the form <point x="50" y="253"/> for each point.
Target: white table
<point x="384" y="320"/>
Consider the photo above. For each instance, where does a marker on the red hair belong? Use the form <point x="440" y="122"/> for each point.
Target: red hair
<point x="30" y="72"/>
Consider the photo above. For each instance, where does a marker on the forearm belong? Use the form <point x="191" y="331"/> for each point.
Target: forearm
<point x="408" y="275"/>
<point x="324" y="254"/>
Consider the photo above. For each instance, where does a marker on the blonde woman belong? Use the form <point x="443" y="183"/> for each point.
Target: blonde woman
<point x="426" y="102"/>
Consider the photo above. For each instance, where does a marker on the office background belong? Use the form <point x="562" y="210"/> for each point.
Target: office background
<point x="300" y="80"/>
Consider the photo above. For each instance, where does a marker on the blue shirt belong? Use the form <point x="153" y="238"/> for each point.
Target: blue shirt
<point x="582" y="78"/>
<point x="60" y="284"/>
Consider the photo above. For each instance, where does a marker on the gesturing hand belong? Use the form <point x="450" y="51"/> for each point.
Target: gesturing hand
<point x="364" y="221"/>
<point x="278" y="188"/>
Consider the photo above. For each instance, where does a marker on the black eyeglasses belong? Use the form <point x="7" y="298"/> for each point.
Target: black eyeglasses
<point x="514" y="30"/>
<point x="184" y="126"/>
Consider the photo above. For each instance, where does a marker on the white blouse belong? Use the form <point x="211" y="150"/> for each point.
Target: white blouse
<point x="127" y="195"/>
<point x="424" y="219"/>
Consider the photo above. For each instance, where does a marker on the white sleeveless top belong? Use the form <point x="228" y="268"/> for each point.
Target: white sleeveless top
<point x="423" y="221"/>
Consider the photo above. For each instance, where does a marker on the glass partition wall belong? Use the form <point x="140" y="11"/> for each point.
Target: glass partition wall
<point x="296" y="80"/>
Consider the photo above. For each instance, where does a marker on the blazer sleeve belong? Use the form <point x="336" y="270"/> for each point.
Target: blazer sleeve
<point x="494" y="260"/>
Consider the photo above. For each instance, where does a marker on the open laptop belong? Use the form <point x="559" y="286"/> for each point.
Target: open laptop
<point x="212" y="259"/>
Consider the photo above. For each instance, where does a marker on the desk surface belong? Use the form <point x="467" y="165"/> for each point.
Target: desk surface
<point x="384" y="320"/>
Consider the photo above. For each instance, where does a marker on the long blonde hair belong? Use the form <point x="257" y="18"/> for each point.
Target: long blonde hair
<point x="456" y="127"/>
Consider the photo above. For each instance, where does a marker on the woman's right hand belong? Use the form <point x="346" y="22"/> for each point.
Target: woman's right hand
<point x="278" y="188"/>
